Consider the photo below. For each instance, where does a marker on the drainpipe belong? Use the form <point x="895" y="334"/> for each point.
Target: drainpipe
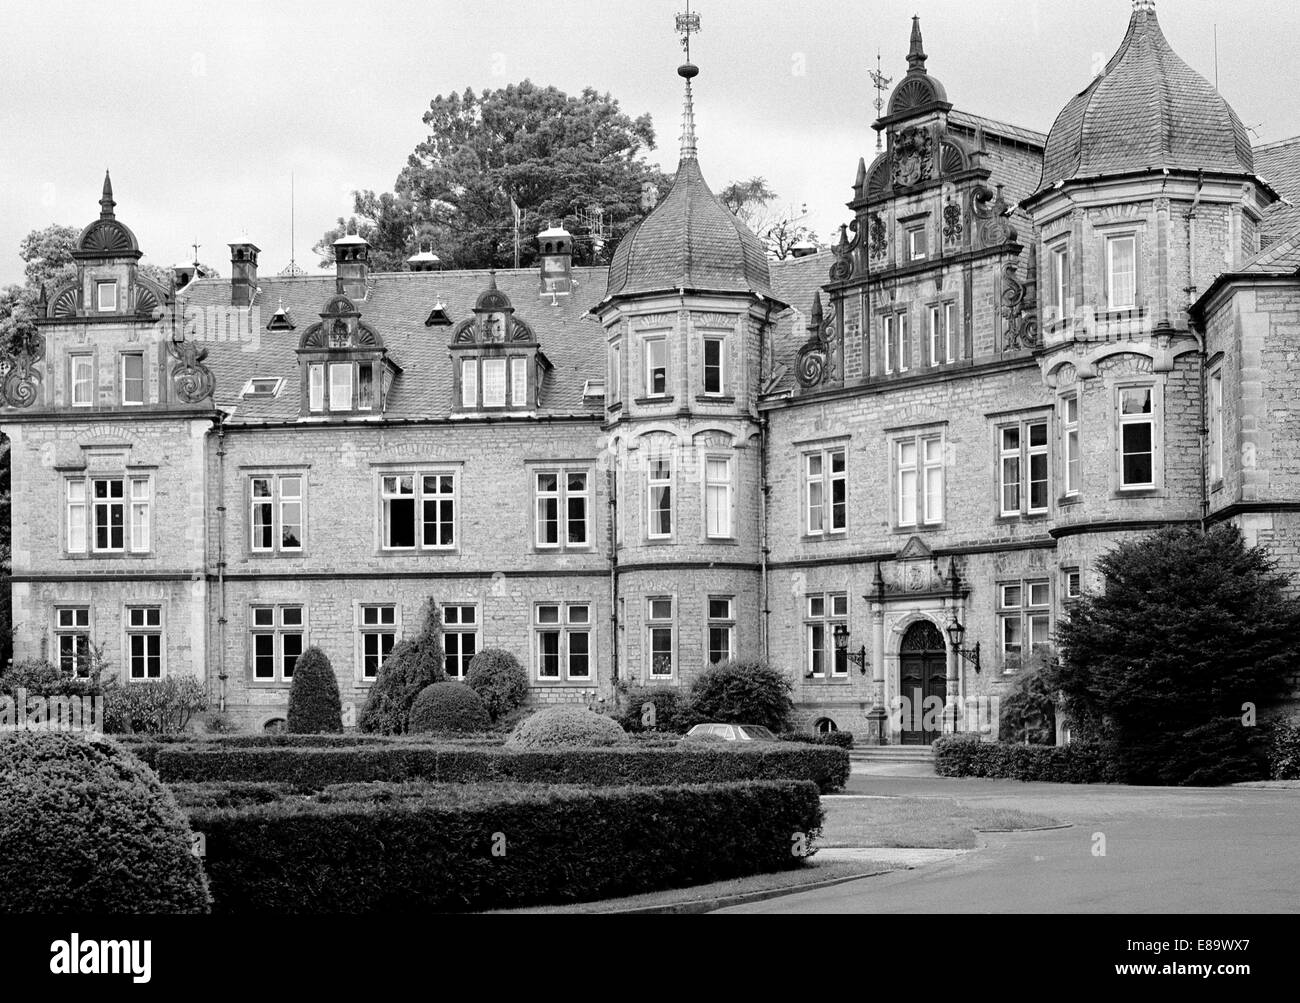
<point x="765" y="489"/>
<point x="612" y="490"/>
<point x="1204" y="430"/>
<point x="221" y="561"/>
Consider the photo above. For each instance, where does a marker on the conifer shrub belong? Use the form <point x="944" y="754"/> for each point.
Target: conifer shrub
<point x="87" y="828"/>
<point x="447" y="709"/>
<point x="314" y="703"/>
<point x="496" y="676"/>
<point x="411" y="666"/>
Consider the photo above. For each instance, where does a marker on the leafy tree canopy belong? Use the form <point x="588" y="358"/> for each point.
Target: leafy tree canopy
<point x="1189" y="638"/>
<point x="555" y="155"/>
<point x="754" y="203"/>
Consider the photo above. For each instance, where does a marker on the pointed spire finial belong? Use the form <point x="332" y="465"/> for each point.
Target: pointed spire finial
<point x="815" y="323"/>
<point x="106" y="202"/>
<point x="688" y="24"/>
<point x="916" y="53"/>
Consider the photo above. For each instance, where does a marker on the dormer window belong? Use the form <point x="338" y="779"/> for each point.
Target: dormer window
<point x="106" y="297"/>
<point x="496" y="358"/>
<point x="262" y="386"/>
<point x="345" y="362"/>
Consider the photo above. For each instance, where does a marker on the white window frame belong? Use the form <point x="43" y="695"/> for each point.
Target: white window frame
<point x="918" y="237"/>
<point x="419" y="498"/>
<point x="461" y="620"/>
<point x="1059" y="277"/>
<point x="950" y="329"/>
<point x="1113" y="302"/>
<point x="819" y="505"/>
<point x="923" y="504"/>
<point x="142" y="379"/>
<point x="1031" y="606"/>
<point x="722" y="619"/>
<point x="108" y="504"/>
<point x="144" y="630"/>
<point x="938" y="338"/>
<point x="340" y="386"/>
<point x="660" y="476"/>
<point x="72" y="621"/>
<point x="366" y="400"/>
<point x="316" y="387"/>
<point x="563" y="494"/>
<point x="1216" y="444"/>
<point x="494" y="377"/>
<point x="469" y="383"/>
<point x="85" y="380"/>
<point x="380" y="621"/>
<point x="720" y="341"/>
<point x="572" y="619"/>
<point x="719" y="496"/>
<point x="1023" y="455"/>
<point x="1071" y="445"/>
<point x="1125" y="421"/>
<point x="102" y="286"/>
<point x="518" y="381"/>
<point x="280" y="628"/>
<point x="279" y="501"/>
<point x="651" y="344"/>
<point x="655" y="623"/>
<point x="823" y="612"/>
<point x="616" y="371"/>
<point x="76" y="494"/>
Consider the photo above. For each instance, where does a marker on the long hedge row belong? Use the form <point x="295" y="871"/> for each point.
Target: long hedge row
<point x="1076" y="763"/>
<point x="468" y="848"/>
<point x="313" y="769"/>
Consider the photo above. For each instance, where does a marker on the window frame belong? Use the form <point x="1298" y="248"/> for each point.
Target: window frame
<point x="727" y="489"/>
<point x="897" y="342"/>
<point x="1070" y="416"/>
<point x="912" y="242"/>
<point x="100" y="286"/>
<point x="74" y="360"/>
<point x="566" y="626"/>
<point x="277" y="501"/>
<point x="820" y="619"/>
<point x="714" y="621"/>
<point x="1023" y="455"/>
<point x="922" y="466"/>
<point x="419" y="500"/>
<point x="1215" y="434"/>
<point x="1058" y="259"/>
<point x="1024" y="614"/>
<point x="124" y="379"/>
<point x="1124" y="421"/>
<point x="316" y="388"/>
<point x="81" y="514"/>
<point x="460" y="627"/>
<point x="665" y="481"/>
<point x="562" y="496"/>
<point x="76" y="629"/>
<point x="825" y="482"/>
<point x="651" y="343"/>
<point x="654" y="625"/>
<point x="131" y="630"/>
<point x="495" y="362"/>
<point x="362" y="631"/>
<point x="1113" y="240"/>
<point x="278" y="630"/>
<point x="720" y="341"/>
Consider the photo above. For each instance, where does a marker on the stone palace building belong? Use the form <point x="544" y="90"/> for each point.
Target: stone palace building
<point x="886" y="468"/>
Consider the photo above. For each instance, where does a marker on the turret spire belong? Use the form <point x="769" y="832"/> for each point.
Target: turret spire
<point x="106" y="202"/>
<point x="688" y="24"/>
<point x="916" y="53"/>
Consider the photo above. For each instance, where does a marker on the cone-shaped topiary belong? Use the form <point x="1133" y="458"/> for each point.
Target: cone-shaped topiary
<point x="314" y="704"/>
<point x="410" y="667"/>
<point x="565" y="726"/>
<point x="86" y="827"/>
<point x="447" y="709"/>
<point x="496" y="676"/>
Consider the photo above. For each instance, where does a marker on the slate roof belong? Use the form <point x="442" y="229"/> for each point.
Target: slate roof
<point x="396" y="307"/>
<point x="1281" y="257"/>
<point x="1279" y="165"/>
<point x="689" y="241"/>
<point x="1147" y="110"/>
<point x="967" y="120"/>
<point x="796" y="281"/>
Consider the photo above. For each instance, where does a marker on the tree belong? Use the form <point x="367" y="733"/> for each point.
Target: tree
<point x="753" y="202"/>
<point x="549" y="152"/>
<point x="47" y="256"/>
<point x="409" y="668"/>
<point x="1191" y="636"/>
<point x="744" y="691"/>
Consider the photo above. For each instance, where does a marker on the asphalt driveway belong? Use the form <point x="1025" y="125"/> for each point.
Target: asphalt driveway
<point x="1129" y="849"/>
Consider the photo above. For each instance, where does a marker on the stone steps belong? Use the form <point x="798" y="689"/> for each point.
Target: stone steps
<point x="892" y="754"/>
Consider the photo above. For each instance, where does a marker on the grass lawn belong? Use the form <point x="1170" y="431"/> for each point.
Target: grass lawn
<point x="943" y="823"/>
<point x="700" y="898"/>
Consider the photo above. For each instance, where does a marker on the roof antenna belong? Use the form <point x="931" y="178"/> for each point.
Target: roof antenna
<point x="1216" y="56"/>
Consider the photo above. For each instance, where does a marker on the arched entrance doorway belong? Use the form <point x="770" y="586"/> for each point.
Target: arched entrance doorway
<point x="922" y="682"/>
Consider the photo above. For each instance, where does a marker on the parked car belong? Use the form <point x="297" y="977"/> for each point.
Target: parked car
<point x="733" y="732"/>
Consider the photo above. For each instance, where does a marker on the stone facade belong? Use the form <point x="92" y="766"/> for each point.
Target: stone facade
<point x="945" y="421"/>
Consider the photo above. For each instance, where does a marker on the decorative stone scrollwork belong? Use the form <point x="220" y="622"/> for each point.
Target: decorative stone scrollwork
<point x="952" y="224"/>
<point x="912" y="157"/>
<point x="815" y="363"/>
<point x="22" y="380"/>
<point x="193" y="381"/>
<point x="878" y="242"/>
<point x="842" y="269"/>
<point x="1020" y="308"/>
<point x="989" y="209"/>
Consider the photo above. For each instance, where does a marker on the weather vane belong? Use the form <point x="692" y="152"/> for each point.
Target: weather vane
<point x="881" y="82"/>
<point x="687" y="25"/>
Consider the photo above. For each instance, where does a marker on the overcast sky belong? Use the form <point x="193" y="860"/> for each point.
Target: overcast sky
<point x="203" y="111"/>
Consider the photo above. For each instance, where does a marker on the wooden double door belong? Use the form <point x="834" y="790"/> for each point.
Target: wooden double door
<point x="923" y="683"/>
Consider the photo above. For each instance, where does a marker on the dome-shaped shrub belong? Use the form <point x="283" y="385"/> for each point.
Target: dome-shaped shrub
<point x="448" y="708"/>
<point x="86" y="827"/>
<point x="565" y="726"/>
<point x="496" y="676"/>
<point x="314" y="704"/>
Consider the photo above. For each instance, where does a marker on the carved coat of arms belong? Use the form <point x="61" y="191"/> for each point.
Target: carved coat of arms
<point x="913" y="153"/>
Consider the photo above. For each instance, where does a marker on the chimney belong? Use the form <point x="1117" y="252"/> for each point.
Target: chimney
<point x="183" y="275"/>
<point x="352" y="265"/>
<point x="556" y="246"/>
<point x="243" y="274"/>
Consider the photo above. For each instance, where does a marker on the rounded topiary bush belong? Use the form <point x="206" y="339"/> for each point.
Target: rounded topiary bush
<point x="496" y="676"/>
<point x="656" y="708"/>
<point x="411" y="666"/>
<point x="555" y="726"/>
<point x="314" y="704"/>
<point x="86" y="827"/>
<point x="448" y="708"/>
<point x="746" y="691"/>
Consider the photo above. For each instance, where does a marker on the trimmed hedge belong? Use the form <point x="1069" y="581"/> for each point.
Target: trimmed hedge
<point x="839" y="739"/>
<point x="552" y="727"/>
<point x="672" y="710"/>
<point x="1284" y="750"/>
<point x="497" y="677"/>
<point x="315" y="769"/>
<point x="1076" y="763"/>
<point x="482" y="848"/>
<point x="314" y="703"/>
<point x="86" y="828"/>
<point x="447" y="709"/>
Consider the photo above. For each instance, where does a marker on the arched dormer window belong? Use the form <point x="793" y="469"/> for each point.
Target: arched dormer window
<point x="345" y="367"/>
<point x="497" y="363"/>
